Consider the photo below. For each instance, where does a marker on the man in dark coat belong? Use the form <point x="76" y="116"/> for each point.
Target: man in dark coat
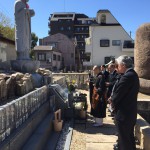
<point x="112" y="78"/>
<point x="105" y="73"/>
<point x="124" y="100"/>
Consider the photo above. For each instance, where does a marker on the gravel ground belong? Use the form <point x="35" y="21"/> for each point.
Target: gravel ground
<point x="79" y="138"/>
<point x="79" y="134"/>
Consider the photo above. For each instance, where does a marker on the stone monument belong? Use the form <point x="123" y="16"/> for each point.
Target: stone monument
<point x="23" y="16"/>
<point x="142" y="57"/>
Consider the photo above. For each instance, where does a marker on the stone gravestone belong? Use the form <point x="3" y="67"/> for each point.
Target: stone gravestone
<point x="142" y="57"/>
<point x="23" y="16"/>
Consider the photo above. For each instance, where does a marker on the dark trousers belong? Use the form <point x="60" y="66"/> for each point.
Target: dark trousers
<point x="126" y="138"/>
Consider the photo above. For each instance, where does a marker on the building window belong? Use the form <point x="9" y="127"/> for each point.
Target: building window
<point x="104" y="43"/>
<point x="54" y="56"/>
<point x="61" y="28"/>
<point x="41" y="56"/>
<point x="128" y="44"/>
<point x="103" y="19"/>
<point x="69" y="28"/>
<point x="58" y="57"/>
<point x="89" y="21"/>
<point x="116" y="42"/>
<point x="68" y="20"/>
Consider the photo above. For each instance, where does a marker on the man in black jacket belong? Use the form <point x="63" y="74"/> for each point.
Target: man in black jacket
<point x="124" y="101"/>
<point x="105" y="73"/>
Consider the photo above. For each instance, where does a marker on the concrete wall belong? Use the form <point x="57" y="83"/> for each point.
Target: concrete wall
<point x="19" y="138"/>
<point x="142" y="133"/>
<point x="109" y="18"/>
<point x="7" y="51"/>
<point x="144" y="109"/>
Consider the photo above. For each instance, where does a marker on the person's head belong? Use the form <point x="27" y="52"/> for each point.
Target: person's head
<point x="111" y="67"/>
<point x="123" y="63"/>
<point x="95" y="70"/>
<point x="103" y="67"/>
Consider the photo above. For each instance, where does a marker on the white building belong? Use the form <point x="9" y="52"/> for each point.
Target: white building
<point x="107" y="39"/>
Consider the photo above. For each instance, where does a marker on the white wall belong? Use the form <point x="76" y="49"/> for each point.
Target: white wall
<point x="3" y="54"/>
<point x="98" y="53"/>
<point x="110" y="19"/>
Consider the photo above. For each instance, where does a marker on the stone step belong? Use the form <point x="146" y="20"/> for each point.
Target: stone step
<point x="39" y="138"/>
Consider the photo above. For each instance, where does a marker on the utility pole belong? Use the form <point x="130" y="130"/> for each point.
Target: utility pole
<point x="130" y="33"/>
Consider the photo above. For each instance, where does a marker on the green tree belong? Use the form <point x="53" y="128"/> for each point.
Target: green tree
<point x="6" y="28"/>
<point x="34" y="40"/>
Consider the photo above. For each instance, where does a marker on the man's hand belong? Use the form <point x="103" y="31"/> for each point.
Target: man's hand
<point x="107" y="83"/>
<point x="110" y="100"/>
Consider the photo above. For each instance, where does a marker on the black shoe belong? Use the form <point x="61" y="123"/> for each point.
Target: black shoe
<point x="116" y="146"/>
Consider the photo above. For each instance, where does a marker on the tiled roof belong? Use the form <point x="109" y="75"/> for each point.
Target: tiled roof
<point x="46" y="48"/>
<point x="103" y="11"/>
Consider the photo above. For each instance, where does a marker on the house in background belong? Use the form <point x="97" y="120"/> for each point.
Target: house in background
<point x="7" y="49"/>
<point x="49" y="57"/>
<point x="7" y="52"/>
<point x="73" y="25"/>
<point x="63" y="44"/>
<point x="107" y="39"/>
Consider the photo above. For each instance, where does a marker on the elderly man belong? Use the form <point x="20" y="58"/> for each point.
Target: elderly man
<point x="124" y="100"/>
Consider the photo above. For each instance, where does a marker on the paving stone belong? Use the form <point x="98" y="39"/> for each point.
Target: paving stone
<point x="99" y="146"/>
<point x="100" y="138"/>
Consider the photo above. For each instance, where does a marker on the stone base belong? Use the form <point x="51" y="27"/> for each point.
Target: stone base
<point x="25" y="66"/>
<point x="144" y="86"/>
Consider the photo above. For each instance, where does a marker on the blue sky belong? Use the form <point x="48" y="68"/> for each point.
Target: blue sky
<point x="130" y="13"/>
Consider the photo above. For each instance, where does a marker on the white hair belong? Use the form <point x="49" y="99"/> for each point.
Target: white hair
<point x="126" y="60"/>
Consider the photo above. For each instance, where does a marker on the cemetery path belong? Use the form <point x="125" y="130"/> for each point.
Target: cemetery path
<point x="94" y="138"/>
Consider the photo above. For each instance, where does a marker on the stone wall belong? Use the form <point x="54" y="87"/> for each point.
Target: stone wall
<point x="142" y="133"/>
<point x="144" y="109"/>
<point x="78" y="78"/>
<point x="20" y="117"/>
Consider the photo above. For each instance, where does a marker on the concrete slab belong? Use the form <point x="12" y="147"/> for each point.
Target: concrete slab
<point x="99" y="146"/>
<point x="100" y="138"/>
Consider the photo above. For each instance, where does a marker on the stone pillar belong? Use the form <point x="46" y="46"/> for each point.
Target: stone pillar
<point x="142" y="57"/>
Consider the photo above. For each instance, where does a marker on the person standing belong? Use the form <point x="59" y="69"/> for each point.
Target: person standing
<point x="105" y="72"/>
<point x="98" y="98"/>
<point x="124" y="101"/>
<point x="91" y="87"/>
<point x="112" y="79"/>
